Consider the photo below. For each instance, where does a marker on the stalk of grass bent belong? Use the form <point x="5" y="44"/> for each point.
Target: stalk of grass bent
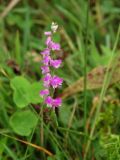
<point x="29" y="144"/>
<point x="103" y="91"/>
<point x="70" y="122"/>
<point x="10" y="6"/>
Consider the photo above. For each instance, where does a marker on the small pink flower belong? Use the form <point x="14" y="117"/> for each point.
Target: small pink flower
<point x="49" y="101"/>
<point x="46" y="52"/>
<point x="52" y="45"/>
<point x="48" y="41"/>
<point x="48" y="33"/>
<point x="55" y="63"/>
<point x="56" y="102"/>
<point x="46" y="60"/>
<point x="45" y="69"/>
<point x="56" y="81"/>
<point x="55" y="46"/>
<point x="44" y="92"/>
<point x="47" y="80"/>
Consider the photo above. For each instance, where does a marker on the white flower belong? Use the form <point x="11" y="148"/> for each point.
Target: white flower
<point x="54" y="27"/>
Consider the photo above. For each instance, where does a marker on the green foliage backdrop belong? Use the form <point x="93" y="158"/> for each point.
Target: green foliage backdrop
<point x="87" y="125"/>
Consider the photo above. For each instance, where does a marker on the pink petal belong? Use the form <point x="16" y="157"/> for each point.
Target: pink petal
<point x="48" y="33"/>
<point x="48" y="41"/>
<point x="46" y="60"/>
<point x="55" y="46"/>
<point x="56" y="102"/>
<point x="46" y="52"/>
<point x="55" y="63"/>
<point x="47" y="80"/>
<point x="56" y="81"/>
<point x="45" y="69"/>
<point x="49" y="101"/>
<point x="44" y="92"/>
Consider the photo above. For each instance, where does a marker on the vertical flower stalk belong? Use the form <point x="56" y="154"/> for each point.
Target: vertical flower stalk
<point x="50" y="82"/>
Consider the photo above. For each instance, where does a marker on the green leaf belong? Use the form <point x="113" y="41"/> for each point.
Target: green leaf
<point x="24" y="92"/>
<point x="34" y="92"/>
<point x="22" y="122"/>
<point x="21" y="91"/>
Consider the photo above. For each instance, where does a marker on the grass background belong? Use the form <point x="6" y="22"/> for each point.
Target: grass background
<point x="87" y="33"/>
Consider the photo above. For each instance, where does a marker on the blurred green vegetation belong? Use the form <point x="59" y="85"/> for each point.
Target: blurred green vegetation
<point x="66" y="134"/>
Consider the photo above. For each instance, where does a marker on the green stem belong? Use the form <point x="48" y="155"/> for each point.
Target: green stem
<point x="85" y="67"/>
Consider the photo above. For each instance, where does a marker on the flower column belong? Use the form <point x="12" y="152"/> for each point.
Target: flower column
<point x="50" y="81"/>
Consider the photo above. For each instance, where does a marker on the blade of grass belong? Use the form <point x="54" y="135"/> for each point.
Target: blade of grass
<point x="17" y="48"/>
<point x="70" y="121"/>
<point x="26" y="31"/>
<point x="69" y="40"/>
<point x="69" y="15"/>
<point x="71" y="131"/>
<point x="85" y="66"/>
<point x="10" y="152"/>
